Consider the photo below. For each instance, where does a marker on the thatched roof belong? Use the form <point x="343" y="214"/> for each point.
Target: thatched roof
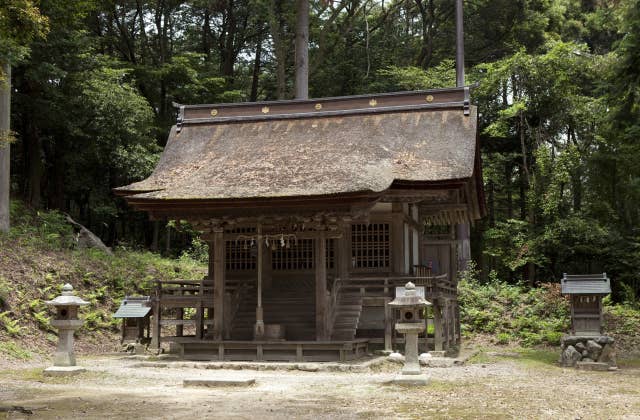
<point x="312" y="155"/>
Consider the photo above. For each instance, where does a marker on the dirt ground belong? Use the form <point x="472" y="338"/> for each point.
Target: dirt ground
<point x="489" y="386"/>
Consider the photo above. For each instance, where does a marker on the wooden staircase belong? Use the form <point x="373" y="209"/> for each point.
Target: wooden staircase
<point x="294" y="308"/>
<point x="348" y="310"/>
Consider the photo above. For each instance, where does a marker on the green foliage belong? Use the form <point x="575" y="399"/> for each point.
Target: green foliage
<point x="558" y="98"/>
<point x="99" y="319"/>
<point x="12" y="326"/>
<point x="20" y="22"/>
<point x="623" y="319"/>
<point x="101" y="279"/>
<point x="512" y="313"/>
<point x="45" y="229"/>
<point x="396" y="78"/>
<point x="15" y="351"/>
<point x="5" y="290"/>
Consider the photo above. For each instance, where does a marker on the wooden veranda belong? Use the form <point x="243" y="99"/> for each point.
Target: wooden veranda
<point x="185" y="317"/>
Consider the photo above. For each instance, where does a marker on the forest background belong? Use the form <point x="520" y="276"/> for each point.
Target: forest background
<point x="557" y="83"/>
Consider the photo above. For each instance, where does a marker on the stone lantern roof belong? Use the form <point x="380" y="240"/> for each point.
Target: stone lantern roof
<point x="410" y="299"/>
<point x="67" y="298"/>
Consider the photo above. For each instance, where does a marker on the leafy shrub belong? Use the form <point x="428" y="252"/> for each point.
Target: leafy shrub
<point x="12" y="326"/>
<point x="5" y="289"/>
<point x="512" y="313"/>
<point x="15" y="351"/>
<point x="503" y="338"/>
<point x="45" y="229"/>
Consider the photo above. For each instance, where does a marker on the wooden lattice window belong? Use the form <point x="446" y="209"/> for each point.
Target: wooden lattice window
<point x="370" y="246"/>
<point x="331" y="254"/>
<point x="299" y="256"/>
<point x="240" y="255"/>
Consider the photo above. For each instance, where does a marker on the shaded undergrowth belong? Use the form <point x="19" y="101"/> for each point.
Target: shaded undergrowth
<point x="514" y="314"/>
<point x="39" y="255"/>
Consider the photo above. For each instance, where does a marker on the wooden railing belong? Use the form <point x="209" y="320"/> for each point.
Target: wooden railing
<point x="435" y="286"/>
<point x="197" y="294"/>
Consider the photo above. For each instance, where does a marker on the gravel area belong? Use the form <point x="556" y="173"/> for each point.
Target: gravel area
<point x="498" y="387"/>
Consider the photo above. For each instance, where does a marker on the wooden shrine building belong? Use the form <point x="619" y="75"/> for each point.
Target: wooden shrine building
<point x="314" y="210"/>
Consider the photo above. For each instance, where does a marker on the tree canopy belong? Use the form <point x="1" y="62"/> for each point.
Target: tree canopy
<point x="558" y="91"/>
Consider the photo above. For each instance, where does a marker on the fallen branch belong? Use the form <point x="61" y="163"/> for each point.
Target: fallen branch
<point x="87" y="239"/>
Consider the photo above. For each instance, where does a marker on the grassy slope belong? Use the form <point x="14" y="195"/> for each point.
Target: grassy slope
<point x="513" y="314"/>
<point x="38" y="257"/>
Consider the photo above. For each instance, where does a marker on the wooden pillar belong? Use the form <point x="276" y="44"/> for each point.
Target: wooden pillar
<point x="258" y="332"/>
<point x="397" y="238"/>
<point x="343" y="254"/>
<point x="180" y="327"/>
<point x="218" y="283"/>
<point x="437" y="325"/>
<point x="321" y="286"/>
<point x="457" y="321"/>
<point x="155" y="326"/>
<point x="464" y="250"/>
<point x="201" y="307"/>
<point x="267" y="269"/>
<point x="450" y="329"/>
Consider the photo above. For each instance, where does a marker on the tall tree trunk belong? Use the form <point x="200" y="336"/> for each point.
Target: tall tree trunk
<point x="5" y="148"/>
<point x="156" y="235"/>
<point x="56" y="185"/>
<point x="427" y="17"/>
<point x="206" y="34"/>
<point x="302" y="50"/>
<point x="527" y="212"/>
<point x="168" y="242"/>
<point x="508" y="174"/>
<point x="576" y="178"/>
<point x="256" y="68"/>
<point x="228" y="52"/>
<point x="276" y="24"/>
<point x="35" y="167"/>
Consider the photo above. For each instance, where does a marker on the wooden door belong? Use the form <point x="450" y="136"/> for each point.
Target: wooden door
<point x="439" y="255"/>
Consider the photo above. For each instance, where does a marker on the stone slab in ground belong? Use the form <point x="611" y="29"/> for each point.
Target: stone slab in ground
<point x="63" y="370"/>
<point x="410" y="380"/>
<point x="602" y="367"/>
<point x="439" y="362"/>
<point x="216" y="382"/>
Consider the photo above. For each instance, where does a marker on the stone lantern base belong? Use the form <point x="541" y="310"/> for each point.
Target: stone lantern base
<point x="410" y="380"/>
<point x="63" y="370"/>
<point x="588" y="352"/>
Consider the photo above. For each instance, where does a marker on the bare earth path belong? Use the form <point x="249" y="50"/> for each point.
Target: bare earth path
<point x="491" y="388"/>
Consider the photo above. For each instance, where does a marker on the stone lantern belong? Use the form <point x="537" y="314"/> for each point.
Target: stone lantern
<point x="411" y="323"/>
<point x="67" y="322"/>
